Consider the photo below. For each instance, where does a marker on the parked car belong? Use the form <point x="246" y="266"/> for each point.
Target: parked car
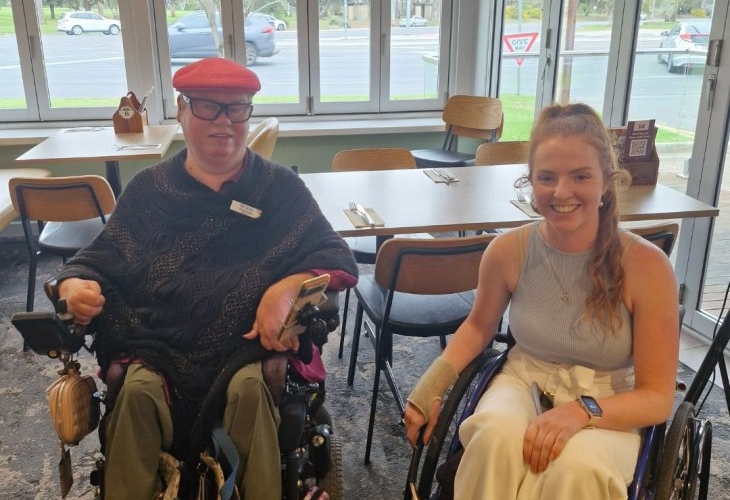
<point x="412" y="21"/>
<point x="692" y="37"/>
<point x="278" y="24"/>
<point x="190" y="37"/>
<point x="76" y="23"/>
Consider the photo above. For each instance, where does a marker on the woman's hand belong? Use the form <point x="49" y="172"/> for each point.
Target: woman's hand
<point x="548" y="433"/>
<point x="414" y="421"/>
<point x="83" y="299"/>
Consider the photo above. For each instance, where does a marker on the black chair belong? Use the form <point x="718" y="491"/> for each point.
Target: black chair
<point x="662" y="235"/>
<point x="475" y="117"/>
<point x="364" y="248"/>
<point x="420" y="288"/>
<point x="69" y="213"/>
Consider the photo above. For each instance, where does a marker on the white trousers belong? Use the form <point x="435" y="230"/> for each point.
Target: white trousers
<point x="595" y="463"/>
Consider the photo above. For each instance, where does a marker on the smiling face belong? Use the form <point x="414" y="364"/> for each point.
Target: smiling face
<point x="215" y="148"/>
<point x="568" y="183"/>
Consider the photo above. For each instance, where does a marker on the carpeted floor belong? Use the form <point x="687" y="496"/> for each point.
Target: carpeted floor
<point x="29" y="452"/>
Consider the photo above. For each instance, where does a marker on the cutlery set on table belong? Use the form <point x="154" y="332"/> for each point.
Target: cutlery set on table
<point x="361" y="216"/>
<point x="440" y="175"/>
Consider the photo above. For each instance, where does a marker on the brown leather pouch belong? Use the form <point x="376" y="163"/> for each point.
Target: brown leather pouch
<point x="74" y="410"/>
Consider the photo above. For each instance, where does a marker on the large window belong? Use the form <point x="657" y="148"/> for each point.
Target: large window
<point x="313" y="57"/>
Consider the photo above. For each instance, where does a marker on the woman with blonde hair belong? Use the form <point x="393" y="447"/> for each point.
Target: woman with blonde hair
<point x="593" y="311"/>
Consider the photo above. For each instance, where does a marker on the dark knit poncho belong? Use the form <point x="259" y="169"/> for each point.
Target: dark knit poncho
<point x="183" y="274"/>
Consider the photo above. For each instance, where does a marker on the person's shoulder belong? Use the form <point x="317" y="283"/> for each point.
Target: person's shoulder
<point x="636" y="247"/>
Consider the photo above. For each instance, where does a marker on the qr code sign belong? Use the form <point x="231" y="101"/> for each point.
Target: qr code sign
<point x="638" y="147"/>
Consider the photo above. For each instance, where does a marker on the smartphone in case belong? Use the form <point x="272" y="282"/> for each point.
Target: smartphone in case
<point x="310" y="292"/>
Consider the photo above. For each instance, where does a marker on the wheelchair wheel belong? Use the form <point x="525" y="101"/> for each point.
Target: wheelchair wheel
<point x="442" y="444"/>
<point x="686" y="457"/>
<point x="333" y="483"/>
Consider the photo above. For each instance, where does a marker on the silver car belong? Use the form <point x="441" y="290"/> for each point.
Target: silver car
<point x="690" y="37"/>
<point x="76" y="23"/>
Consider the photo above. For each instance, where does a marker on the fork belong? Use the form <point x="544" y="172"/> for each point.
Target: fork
<point x="444" y="175"/>
<point x="362" y="213"/>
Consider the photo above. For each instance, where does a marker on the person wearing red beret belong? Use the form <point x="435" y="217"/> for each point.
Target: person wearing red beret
<point x="199" y="262"/>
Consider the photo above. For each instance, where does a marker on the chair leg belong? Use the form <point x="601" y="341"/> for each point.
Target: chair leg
<point x="344" y="322"/>
<point x="373" y="406"/>
<point x="442" y="340"/>
<point x="30" y="297"/>
<point x="355" y="345"/>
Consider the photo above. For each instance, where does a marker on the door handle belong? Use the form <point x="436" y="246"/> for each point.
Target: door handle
<point x="710" y="84"/>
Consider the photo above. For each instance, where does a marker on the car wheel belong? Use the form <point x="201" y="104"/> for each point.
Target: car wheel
<point x="670" y="64"/>
<point x="114" y="29"/>
<point x="251" y="54"/>
<point x="77" y="30"/>
<point x="281" y="27"/>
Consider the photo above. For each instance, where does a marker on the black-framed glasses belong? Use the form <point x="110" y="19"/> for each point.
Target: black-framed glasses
<point x="237" y="112"/>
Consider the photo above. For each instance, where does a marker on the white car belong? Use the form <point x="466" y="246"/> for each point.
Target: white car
<point x="412" y="21"/>
<point x="278" y="24"/>
<point x="689" y="41"/>
<point x="76" y="23"/>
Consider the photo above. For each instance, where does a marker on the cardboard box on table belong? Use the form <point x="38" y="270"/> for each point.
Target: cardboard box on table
<point x="643" y="172"/>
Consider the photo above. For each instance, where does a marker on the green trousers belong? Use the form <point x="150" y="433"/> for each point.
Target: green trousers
<point x="140" y="426"/>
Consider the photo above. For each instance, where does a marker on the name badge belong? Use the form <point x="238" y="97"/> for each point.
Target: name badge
<point x="243" y="209"/>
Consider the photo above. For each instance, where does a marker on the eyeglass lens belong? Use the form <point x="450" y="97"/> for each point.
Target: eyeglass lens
<point x="211" y="110"/>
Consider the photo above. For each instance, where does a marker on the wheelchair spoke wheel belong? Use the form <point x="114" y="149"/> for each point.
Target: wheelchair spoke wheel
<point x="703" y="452"/>
<point x="678" y="467"/>
<point x="445" y="431"/>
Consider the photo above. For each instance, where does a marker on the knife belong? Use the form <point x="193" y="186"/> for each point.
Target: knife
<point x="365" y="215"/>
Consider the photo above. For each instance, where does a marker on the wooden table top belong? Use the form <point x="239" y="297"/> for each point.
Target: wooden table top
<point x="408" y="201"/>
<point x="101" y="143"/>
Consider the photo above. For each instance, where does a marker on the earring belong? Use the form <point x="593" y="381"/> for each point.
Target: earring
<point x="601" y="203"/>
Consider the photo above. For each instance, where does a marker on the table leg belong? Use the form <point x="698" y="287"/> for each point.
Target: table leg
<point x="112" y="175"/>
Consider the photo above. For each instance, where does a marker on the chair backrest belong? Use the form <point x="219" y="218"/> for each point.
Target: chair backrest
<point x="502" y="153"/>
<point x="477" y="117"/>
<point x="262" y="138"/>
<point x="431" y="266"/>
<point x="372" y="159"/>
<point x="662" y="235"/>
<point x="62" y="199"/>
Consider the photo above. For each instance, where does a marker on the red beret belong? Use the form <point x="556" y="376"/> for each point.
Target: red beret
<point x="216" y="73"/>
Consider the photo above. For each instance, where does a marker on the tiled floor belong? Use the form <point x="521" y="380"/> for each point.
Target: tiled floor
<point x="692" y="351"/>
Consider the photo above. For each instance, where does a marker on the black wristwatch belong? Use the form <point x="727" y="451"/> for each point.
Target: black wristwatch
<point x="591" y="407"/>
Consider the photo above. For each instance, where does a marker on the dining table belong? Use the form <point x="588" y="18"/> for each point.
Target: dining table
<point x="410" y="201"/>
<point x="76" y="144"/>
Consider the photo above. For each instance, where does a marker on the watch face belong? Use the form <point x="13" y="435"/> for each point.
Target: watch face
<point x="592" y="405"/>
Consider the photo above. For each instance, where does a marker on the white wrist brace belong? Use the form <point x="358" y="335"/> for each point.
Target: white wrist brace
<point x="433" y="385"/>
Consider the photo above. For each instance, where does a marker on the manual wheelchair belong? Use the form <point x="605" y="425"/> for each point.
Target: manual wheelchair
<point x="672" y="464"/>
<point x="311" y="456"/>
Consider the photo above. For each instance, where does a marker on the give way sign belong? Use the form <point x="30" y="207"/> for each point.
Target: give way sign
<point x="519" y="43"/>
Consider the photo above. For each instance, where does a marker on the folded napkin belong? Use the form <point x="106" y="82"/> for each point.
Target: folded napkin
<point x="435" y="177"/>
<point x="358" y="221"/>
<point x="525" y="207"/>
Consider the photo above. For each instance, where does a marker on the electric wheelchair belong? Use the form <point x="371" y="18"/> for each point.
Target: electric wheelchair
<point x="672" y="464"/>
<point x="311" y="456"/>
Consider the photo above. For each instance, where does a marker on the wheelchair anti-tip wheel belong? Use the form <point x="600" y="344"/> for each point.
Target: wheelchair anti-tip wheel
<point x="684" y="466"/>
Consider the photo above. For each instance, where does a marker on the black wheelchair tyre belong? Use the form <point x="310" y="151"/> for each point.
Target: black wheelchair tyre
<point x="447" y="424"/>
<point x="679" y="463"/>
<point x="333" y="483"/>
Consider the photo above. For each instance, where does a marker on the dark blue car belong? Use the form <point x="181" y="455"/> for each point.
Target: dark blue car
<point x="190" y="38"/>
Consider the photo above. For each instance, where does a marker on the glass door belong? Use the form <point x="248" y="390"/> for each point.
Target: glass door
<point x="703" y="262"/>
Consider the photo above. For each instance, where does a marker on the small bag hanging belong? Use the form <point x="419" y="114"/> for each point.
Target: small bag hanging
<point x="73" y="407"/>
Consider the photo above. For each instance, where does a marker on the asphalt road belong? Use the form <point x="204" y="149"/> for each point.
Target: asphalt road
<point x="92" y="65"/>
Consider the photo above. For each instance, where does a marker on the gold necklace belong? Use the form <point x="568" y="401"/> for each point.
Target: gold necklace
<point x="564" y="297"/>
